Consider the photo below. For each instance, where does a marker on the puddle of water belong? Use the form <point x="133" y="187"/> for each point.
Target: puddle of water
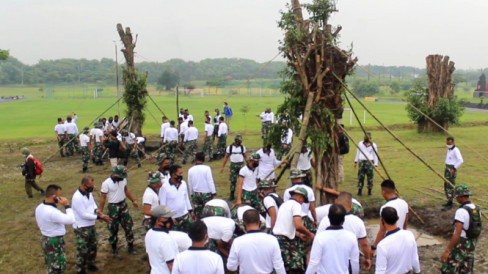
<point x="423" y="238"/>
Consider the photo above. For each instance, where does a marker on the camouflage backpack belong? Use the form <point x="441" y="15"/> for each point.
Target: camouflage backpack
<point x="475" y="225"/>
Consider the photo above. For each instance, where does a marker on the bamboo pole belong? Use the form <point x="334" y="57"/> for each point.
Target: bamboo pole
<point x="303" y="130"/>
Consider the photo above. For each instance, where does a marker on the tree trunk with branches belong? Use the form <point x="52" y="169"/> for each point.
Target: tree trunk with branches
<point x="135" y="84"/>
<point x="316" y="63"/>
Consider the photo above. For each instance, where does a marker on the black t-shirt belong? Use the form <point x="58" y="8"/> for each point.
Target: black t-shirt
<point x="113" y="147"/>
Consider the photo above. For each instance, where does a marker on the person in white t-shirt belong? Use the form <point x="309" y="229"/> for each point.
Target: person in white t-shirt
<point x="267" y="162"/>
<point x="220" y="233"/>
<point x="198" y="259"/>
<point x="216" y="207"/>
<point x="51" y="222"/>
<point x="397" y="252"/>
<point x="191" y="142"/>
<point x="97" y="136"/>
<point x="170" y="141"/>
<point x="72" y="142"/>
<point x="353" y="224"/>
<point x="160" y="246"/>
<point x="236" y="153"/>
<point x="271" y="201"/>
<point x="222" y="133"/>
<point x="458" y="257"/>
<point x="85" y="148"/>
<point x="201" y="184"/>
<point x="164" y="126"/>
<point x="334" y="250"/>
<point x="286" y="140"/>
<point x="255" y="251"/>
<point x="388" y="191"/>
<point x="164" y="163"/>
<point x="356" y="209"/>
<point x="247" y="188"/>
<point x="267" y="118"/>
<point x="61" y="135"/>
<point x="150" y="198"/>
<point x="289" y="228"/>
<point x="305" y="164"/>
<point x="208" y="138"/>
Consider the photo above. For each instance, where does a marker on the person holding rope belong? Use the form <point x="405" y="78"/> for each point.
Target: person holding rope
<point x="454" y="159"/>
<point x="368" y="148"/>
<point x="268" y="161"/>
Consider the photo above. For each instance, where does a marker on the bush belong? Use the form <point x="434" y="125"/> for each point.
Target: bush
<point x="363" y="87"/>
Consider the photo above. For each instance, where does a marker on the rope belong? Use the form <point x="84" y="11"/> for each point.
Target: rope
<point x="391" y="133"/>
<point x="162" y="112"/>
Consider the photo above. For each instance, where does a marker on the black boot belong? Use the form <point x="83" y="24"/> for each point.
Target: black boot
<point x="93" y="268"/>
<point x="84" y="169"/>
<point x="360" y="192"/>
<point x="114" y="249"/>
<point x="369" y="192"/>
<point x="231" y="198"/>
<point x="131" y="249"/>
<point x="447" y="205"/>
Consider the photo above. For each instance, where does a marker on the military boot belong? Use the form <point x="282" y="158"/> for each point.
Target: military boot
<point x="114" y="249"/>
<point x="131" y="249"/>
<point x="369" y="192"/>
<point x="360" y="192"/>
<point x="231" y="198"/>
<point x="84" y="169"/>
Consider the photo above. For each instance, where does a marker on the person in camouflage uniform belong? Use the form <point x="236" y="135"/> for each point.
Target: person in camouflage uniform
<point x="61" y="135"/>
<point x="51" y="221"/>
<point x="97" y="148"/>
<point x="85" y="148"/>
<point x="208" y="139"/>
<point x="131" y="149"/>
<point x="453" y="161"/>
<point x="213" y="211"/>
<point x="458" y="256"/>
<point x="222" y="132"/>
<point x="366" y="155"/>
<point x="114" y="190"/>
<point x="236" y="152"/>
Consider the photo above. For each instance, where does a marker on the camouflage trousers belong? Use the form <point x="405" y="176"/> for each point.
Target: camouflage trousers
<point x="73" y="145"/>
<point x="61" y="142"/>
<point x="309" y="224"/>
<point x="131" y="151"/>
<point x="29" y="184"/>
<point x="252" y="198"/>
<point x="365" y="169"/>
<point x="191" y="148"/>
<point x="183" y="223"/>
<point x="55" y="254"/>
<point x="448" y="189"/>
<point x="86" y="247"/>
<point x="199" y="200"/>
<point x="146" y="223"/>
<point x="221" y="144"/>
<point x="208" y="147"/>
<point x="357" y="210"/>
<point x="308" y="179"/>
<point x="285" y="149"/>
<point x="120" y="215"/>
<point x="170" y="150"/>
<point x="265" y="126"/>
<point x="97" y="152"/>
<point x="461" y="257"/>
<point x="234" y="173"/>
<point x="213" y="211"/>
<point x="85" y="157"/>
<point x="292" y="253"/>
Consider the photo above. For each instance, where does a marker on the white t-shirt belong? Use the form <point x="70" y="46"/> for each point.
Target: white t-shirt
<point x="183" y="128"/>
<point x="333" y="251"/>
<point x="237" y="153"/>
<point x="176" y="198"/>
<point x="84" y="207"/>
<point x="462" y="215"/>
<point x="267" y="164"/>
<point x="304" y="160"/>
<point x="401" y="207"/>
<point x="223" y="129"/>
<point x="322" y="212"/>
<point x="161" y="250"/>
<point x="115" y="190"/>
<point x="164" y="126"/>
<point x="288" y="137"/>
<point x="250" y="178"/>
<point x="397" y="253"/>
<point x="220" y="203"/>
<point x="60" y="129"/>
<point x="171" y="134"/>
<point x="305" y="206"/>
<point x="200" y="179"/>
<point x="198" y="260"/>
<point x="242" y="209"/>
<point x="268" y="203"/>
<point x="84" y="140"/>
<point x="219" y="228"/>
<point x="285" y="225"/>
<point x="130" y="138"/>
<point x="51" y="220"/>
<point x="97" y="134"/>
<point x="150" y="197"/>
<point x="209" y="129"/>
<point x="352" y="223"/>
<point x="71" y="128"/>
<point x="255" y="252"/>
<point x="191" y="134"/>
<point x="181" y="239"/>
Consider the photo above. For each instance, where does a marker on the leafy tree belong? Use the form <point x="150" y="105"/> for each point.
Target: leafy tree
<point x="4" y="54"/>
<point x="363" y="87"/>
<point x="168" y="79"/>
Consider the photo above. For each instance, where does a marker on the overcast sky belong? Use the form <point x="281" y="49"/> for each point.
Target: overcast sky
<point x="383" y="32"/>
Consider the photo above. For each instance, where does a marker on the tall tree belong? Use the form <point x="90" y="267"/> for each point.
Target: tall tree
<point x="4" y="54"/>
<point x="314" y="62"/>
<point x="134" y="83"/>
<point x="168" y="79"/>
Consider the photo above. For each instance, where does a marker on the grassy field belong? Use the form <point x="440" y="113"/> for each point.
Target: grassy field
<point x="31" y="122"/>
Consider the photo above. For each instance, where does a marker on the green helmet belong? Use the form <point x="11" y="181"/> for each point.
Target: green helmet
<point x="267" y="183"/>
<point x="25" y="151"/>
<point x="254" y="157"/>
<point x="238" y="137"/>
<point x="153" y="176"/>
<point x="462" y="190"/>
<point x="301" y="191"/>
<point x="296" y="173"/>
<point x="120" y="171"/>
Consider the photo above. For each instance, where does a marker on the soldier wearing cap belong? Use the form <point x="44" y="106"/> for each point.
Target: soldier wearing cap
<point x="236" y="152"/>
<point x="85" y="148"/>
<point x="271" y="201"/>
<point x="309" y="215"/>
<point x="150" y="198"/>
<point x="160" y="246"/>
<point x="97" y="136"/>
<point x="29" y="171"/>
<point x="216" y="207"/>
<point x="458" y="256"/>
<point x="289" y="228"/>
<point x="114" y="190"/>
<point x="247" y="189"/>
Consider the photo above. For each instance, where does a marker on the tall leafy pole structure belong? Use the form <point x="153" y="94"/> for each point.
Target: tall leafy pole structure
<point x="314" y="62"/>
<point x="134" y="83"/>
